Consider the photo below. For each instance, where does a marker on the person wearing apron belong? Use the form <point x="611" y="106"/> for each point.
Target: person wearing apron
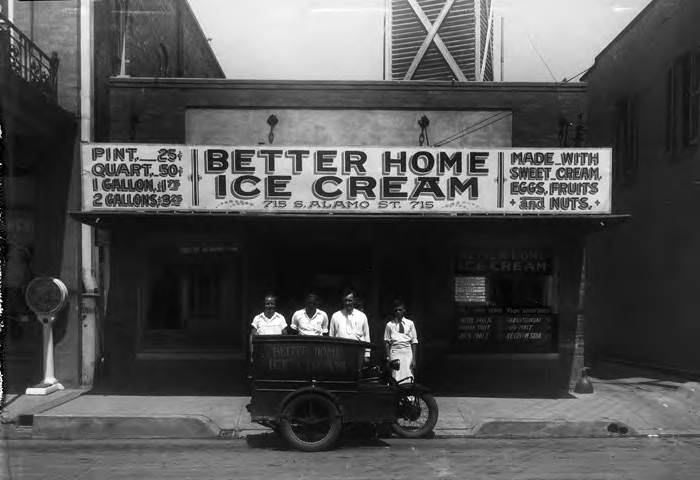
<point x="401" y="341"/>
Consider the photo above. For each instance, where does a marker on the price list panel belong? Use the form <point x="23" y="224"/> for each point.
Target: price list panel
<point x="140" y="177"/>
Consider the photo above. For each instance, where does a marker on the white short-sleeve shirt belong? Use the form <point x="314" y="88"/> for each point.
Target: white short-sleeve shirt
<point x="353" y="326"/>
<point x="397" y="339"/>
<point x="269" y="326"/>
<point x="317" y="324"/>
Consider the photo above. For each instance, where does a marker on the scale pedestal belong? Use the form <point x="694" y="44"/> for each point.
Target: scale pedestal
<point x="49" y="384"/>
<point x="46" y="296"/>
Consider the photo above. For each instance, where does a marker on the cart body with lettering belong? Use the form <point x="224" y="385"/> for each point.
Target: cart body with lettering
<point x="308" y="387"/>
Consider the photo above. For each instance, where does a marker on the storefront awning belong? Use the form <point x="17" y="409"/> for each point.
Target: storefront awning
<point x="109" y="219"/>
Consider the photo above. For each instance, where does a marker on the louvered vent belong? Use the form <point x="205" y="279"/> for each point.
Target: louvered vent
<point x="452" y="54"/>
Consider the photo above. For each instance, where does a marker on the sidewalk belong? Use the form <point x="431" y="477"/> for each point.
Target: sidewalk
<point x="623" y="403"/>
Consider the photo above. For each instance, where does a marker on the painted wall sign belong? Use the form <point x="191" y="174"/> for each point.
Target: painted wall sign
<point x="345" y="180"/>
<point x="507" y="327"/>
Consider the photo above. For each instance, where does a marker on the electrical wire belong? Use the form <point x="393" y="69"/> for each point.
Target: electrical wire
<point x="473" y="128"/>
<point x="461" y="132"/>
<point x="529" y="39"/>
<point x="566" y="80"/>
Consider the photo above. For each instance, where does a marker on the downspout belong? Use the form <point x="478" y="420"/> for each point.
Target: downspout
<point x="90" y="292"/>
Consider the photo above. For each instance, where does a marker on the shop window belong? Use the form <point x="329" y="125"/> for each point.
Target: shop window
<point x="626" y="141"/>
<point x="505" y="301"/>
<point x="692" y="94"/>
<point x="683" y="101"/>
<point x="162" y="61"/>
<point x="671" y="108"/>
<point x="191" y="299"/>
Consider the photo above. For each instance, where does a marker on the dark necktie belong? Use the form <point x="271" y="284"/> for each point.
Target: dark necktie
<point x="400" y="327"/>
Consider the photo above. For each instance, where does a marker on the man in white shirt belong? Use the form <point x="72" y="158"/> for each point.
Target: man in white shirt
<point x="310" y="320"/>
<point x="401" y="341"/>
<point x="349" y="322"/>
<point x="269" y="322"/>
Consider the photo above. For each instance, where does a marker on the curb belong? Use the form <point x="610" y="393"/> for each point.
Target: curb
<point x="49" y="427"/>
<point x="110" y="427"/>
<point x="27" y="405"/>
<point x="74" y="427"/>
<point x="554" y="429"/>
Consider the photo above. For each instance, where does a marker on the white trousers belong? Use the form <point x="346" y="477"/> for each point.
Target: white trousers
<point x="405" y="356"/>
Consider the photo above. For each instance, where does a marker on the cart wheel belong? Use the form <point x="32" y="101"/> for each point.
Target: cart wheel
<point x="310" y="422"/>
<point x="416" y="415"/>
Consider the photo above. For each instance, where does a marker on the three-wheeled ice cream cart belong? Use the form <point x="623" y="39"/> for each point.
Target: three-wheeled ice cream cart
<point x="308" y="387"/>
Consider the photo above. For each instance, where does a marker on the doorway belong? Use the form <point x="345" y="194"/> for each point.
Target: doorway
<point x="326" y="270"/>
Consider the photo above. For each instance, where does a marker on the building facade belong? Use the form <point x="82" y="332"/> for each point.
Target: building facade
<point x="644" y="100"/>
<point x="495" y="296"/>
<point x="455" y="196"/>
<point x="38" y="117"/>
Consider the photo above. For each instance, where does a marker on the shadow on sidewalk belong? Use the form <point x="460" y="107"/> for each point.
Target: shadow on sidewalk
<point x="619" y="370"/>
<point x="494" y="392"/>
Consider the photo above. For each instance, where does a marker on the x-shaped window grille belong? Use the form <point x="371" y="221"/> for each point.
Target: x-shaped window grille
<point x="433" y="37"/>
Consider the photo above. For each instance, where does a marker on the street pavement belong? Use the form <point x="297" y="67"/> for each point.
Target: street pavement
<point x="260" y="456"/>
<point x="625" y="402"/>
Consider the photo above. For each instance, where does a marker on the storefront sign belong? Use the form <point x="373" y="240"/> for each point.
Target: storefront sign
<point x="345" y="180"/>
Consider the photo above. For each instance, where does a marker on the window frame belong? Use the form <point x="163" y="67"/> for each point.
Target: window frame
<point x="627" y="140"/>
<point x="683" y="102"/>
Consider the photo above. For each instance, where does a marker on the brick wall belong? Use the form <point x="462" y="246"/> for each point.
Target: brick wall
<point x="643" y="301"/>
<point x="164" y="40"/>
<point x="150" y="110"/>
<point x="54" y="27"/>
<point x="199" y="59"/>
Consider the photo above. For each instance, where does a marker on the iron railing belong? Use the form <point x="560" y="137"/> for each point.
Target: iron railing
<point x="21" y="57"/>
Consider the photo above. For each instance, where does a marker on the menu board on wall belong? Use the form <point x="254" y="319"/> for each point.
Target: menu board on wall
<point x="505" y="329"/>
<point x="470" y="289"/>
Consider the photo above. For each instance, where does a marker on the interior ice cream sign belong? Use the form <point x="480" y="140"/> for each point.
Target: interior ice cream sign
<point x="345" y="179"/>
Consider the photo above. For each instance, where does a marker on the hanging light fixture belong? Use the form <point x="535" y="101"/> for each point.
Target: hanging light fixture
<point x="423" y="123"/>
<point x="272" y="121"/>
